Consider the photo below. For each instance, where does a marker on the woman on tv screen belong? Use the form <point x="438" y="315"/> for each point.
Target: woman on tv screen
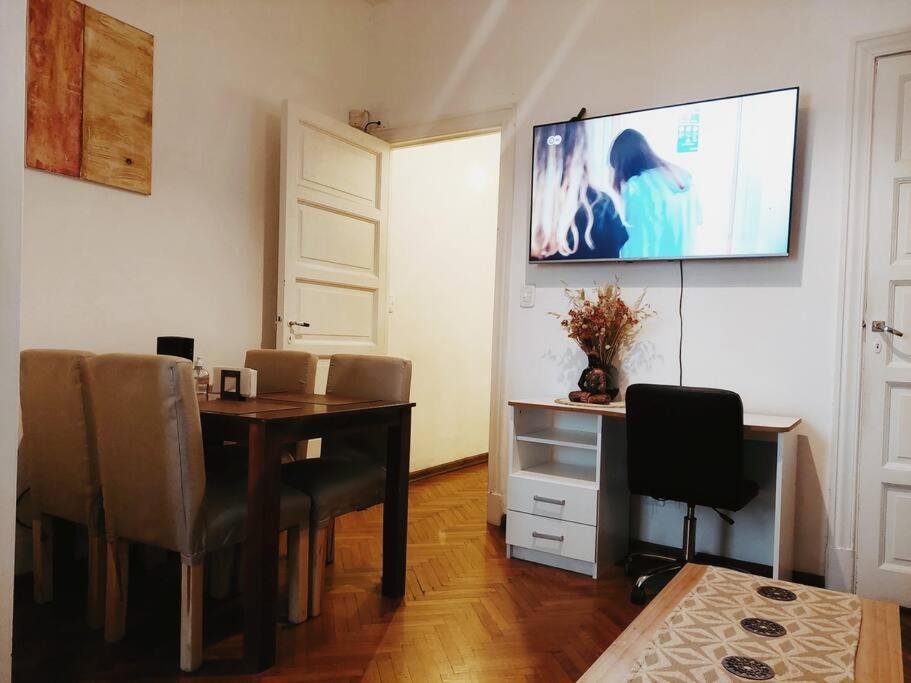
<point x="659" y="207"/>
<point x="573" y="219"/>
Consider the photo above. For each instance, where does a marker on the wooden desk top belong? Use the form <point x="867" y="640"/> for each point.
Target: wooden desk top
<point x="879" y="650"/>
<point x="756" y="422"/>
<point x="281" y="407"/>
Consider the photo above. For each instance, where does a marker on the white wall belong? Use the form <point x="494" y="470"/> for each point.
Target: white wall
<point x="105" y="269"/>
<point x="442" y="248"/>
<point x="765" y="329"/>
<point x="12" y="146"/>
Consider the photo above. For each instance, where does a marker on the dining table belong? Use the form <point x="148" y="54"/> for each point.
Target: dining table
<point x="271" y="422"/>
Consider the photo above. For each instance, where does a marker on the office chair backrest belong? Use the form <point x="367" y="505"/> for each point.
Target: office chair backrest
<point x="685" y="444"/>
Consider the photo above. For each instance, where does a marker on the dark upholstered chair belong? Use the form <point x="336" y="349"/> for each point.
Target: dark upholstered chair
<point x="685" y="444"/>
<point x="350" y="473"/>
<point x="58" y="448"/>
<point x="156" y="491"/>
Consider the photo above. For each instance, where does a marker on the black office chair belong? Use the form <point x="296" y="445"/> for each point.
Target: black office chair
<point x="684" y="444"/>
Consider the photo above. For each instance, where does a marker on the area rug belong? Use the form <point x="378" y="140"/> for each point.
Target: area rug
<point x="735" y="627"/>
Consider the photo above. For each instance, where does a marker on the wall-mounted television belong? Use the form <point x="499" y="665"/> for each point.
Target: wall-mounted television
<point x="710" y="179"/>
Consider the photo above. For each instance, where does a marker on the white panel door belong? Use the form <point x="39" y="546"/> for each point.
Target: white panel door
<point x="332" y="236"/>
<point x="884" y="471"/>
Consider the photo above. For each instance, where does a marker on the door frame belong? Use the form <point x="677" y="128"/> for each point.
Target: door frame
<point x="841" y="555"/>
<point x="504" y="121"/>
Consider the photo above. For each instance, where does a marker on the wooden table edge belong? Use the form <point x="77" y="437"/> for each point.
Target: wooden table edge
<point x="879" y="651"/>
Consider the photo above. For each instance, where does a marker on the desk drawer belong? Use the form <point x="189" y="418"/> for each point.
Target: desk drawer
<point x="554" y="536"/>
<point x="549" y="499"/>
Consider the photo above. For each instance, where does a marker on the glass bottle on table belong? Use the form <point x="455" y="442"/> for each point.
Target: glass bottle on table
<point x="201" y="380"/>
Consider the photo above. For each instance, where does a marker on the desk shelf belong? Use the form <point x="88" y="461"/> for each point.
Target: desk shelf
<point x="584" y="476"/>
<point x="572" y="438"/>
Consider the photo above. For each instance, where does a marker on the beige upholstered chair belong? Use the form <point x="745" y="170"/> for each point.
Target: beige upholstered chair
<point x="276" y="371"/>
<point x="58" y="447"/>
<point x="156" y="492"/>
<point x="350" y="473"/>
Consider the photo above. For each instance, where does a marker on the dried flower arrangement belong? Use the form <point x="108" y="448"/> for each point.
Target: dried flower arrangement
<point x="603" y="327"/>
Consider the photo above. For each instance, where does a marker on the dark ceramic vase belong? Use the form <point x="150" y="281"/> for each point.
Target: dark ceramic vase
<point x="599" y="382"/>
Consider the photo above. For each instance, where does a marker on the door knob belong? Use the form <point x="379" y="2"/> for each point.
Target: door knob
<point x="292" y="323"/>
<point x="880" y="326"/>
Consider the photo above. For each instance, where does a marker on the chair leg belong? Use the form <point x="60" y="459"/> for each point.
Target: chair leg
<point x="117" y="582"/>
<point x="94" y="608"/>
<point x="191" y="584"/>
<point x="43" y="558"/>
<point x="298" y="574"/>
<point x="317" y="571"/>
<point x="221" y="569"/>
<point x="330" y="542"/>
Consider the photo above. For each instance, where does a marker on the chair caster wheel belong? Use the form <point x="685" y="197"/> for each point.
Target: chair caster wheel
<point x="638" y="596"/>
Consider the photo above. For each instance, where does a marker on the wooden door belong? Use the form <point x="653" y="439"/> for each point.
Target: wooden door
<point x="884" y="467"/>
<point x="332" y="236"/>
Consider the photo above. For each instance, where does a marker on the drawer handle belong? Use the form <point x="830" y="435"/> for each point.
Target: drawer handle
<point x="554" y="501"/>
<point x="549" y="537"/>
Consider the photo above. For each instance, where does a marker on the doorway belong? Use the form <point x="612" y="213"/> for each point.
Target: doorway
<point x="442" y="255"/>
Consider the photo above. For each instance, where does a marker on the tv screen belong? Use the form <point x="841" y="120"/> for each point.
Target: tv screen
<point x="708" y="179"/>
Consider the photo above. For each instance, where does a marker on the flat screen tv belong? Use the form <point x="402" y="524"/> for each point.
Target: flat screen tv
<point x="709" y="179"/>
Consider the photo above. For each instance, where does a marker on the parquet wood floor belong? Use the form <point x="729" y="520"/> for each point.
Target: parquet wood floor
<point x="469" y="614"/>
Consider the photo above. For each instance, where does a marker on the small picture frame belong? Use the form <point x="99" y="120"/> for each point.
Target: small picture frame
<point x="230" y="385"/>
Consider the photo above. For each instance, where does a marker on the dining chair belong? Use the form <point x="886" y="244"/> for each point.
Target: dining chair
<point x="350" y="473"/>
<point x="156" y="491"/>
<point x="284" y="371"/>
<point x="58" y="448"/>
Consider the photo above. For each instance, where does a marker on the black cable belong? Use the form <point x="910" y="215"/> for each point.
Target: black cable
<point x="19" y="498"/>
<point x="680" y="313"/>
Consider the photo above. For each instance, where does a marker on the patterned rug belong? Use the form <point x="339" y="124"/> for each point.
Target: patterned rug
<point x="739" y="627"/>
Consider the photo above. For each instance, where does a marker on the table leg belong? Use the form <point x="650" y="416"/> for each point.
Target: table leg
<point x="395" y="508"/>
<point x="260" y="583"/>
<point x="785" y="494"/>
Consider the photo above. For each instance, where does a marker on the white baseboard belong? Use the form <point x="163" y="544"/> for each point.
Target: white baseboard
<point x="840" y="570"/>
<point x="494" y="507"/>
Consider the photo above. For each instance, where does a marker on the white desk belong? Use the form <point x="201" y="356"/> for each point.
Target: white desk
<point x="568" y="497"/>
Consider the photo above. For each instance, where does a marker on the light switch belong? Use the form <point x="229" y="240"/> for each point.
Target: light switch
<point x="527" y="296"/>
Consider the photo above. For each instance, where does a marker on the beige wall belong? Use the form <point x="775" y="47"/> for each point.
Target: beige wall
<point x="12" y="85"/>
<point x="442" y="248"/>
<point x="105" y="269"/>
<point x="765" y="329"/>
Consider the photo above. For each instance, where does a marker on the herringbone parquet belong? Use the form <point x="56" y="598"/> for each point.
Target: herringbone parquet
<point x="469" y="614"/>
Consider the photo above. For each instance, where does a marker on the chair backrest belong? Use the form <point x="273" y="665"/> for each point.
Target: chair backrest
<point x="283" y="370"/>
<point x="150" y="449"/>
<point x="368" y="377"/>
<point x="58" y="436"/>
<point x="685" y="444"/>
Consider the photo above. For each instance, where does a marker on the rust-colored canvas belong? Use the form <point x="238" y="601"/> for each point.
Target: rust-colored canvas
<point x="117" y="103"/>
<point x="54" y="114"/>
<point x="89" y="95"/>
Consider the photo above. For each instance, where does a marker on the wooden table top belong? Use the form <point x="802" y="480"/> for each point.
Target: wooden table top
<point x="756" y="422"/>
<point x="287" y="405"/>
<point x="879" y="650"/>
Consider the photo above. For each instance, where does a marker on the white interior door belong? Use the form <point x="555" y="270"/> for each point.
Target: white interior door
<point x="884" y="471"/>
<point x="332" y="236"/>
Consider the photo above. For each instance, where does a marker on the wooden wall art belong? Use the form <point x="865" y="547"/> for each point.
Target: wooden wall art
<point x="89" y="111"/>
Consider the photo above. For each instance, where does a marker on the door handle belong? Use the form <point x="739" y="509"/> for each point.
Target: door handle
<point x="292" y="323"/>
<point x="880" y="326"/>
